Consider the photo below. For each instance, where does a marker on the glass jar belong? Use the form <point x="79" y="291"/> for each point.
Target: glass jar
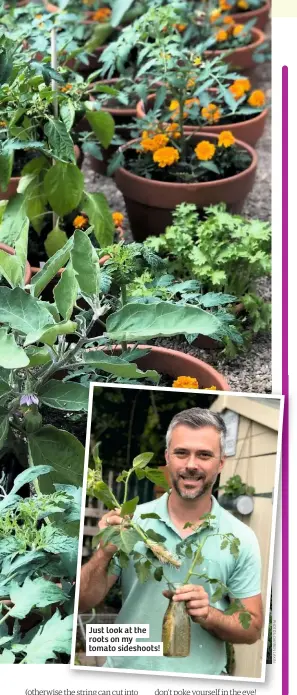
<point x="176" y="628"/>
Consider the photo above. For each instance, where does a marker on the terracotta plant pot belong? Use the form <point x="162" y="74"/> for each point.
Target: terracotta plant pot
<point x="240" y="58"/>
<point x="248" y="131"/>
<point x="150" y="203"/>
<point x="261" y="15"/>
<point x="15" y="180"/>
<point x="174" y="363"/>
<point x="28" y="270"/>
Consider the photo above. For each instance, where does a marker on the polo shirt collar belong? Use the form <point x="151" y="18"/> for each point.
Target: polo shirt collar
<point x="161" y="508"/>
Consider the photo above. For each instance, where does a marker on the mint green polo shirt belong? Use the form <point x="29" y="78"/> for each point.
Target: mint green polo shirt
<point x="145" y="603"/>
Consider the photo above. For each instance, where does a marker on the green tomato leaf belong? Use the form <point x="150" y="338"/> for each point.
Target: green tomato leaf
<point x="156" y="476"/>
<point x="155" y="536"/>
<point x="64" y="396"/>
<point x="102" y="124"/>
<point x="128" y="539"/>
<point x="67" y="113"/>
<point x="63" y="185"/>
<point x="129" y="506"/>
<point x="59" y="140"/>
<point x="151" y="515"/>
<point x="142" y="460"/>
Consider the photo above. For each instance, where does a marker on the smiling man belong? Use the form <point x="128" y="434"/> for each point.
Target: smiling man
<point x="195" y="445"/>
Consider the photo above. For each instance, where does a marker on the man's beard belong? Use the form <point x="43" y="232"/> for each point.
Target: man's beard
<point x="192" y="494"/>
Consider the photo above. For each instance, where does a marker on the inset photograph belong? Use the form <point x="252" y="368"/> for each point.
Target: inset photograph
<point x="177" y="532"/>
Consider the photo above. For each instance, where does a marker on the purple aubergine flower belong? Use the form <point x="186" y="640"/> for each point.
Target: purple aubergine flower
<point x="29" y="399"/>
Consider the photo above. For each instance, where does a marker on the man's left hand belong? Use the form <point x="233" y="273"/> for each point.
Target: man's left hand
<point x="196" y="600"/>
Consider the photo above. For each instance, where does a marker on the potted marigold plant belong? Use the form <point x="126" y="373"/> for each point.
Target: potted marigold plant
<point x="245" y="10"/>
<point x="166" y="164"/>
<point x="232" y="104"/>
<point x="219" y="33"/>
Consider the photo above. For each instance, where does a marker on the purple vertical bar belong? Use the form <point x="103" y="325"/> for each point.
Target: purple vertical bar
<point x="285" y="382"/>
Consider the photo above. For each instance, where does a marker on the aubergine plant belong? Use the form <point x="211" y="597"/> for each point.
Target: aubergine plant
<point x="38" y="554"/>
<point x="137" y="542"/>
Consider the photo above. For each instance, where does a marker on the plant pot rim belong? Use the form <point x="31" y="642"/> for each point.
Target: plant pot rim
<point x="193" y="186"/>
<point x="250" y="14"/>
<point x="114" y="111"/>
<point x="210" y="371"/>
<point x="258" y="36"/>
<point x="28" y="269"/>
<point x="140" y="110"/>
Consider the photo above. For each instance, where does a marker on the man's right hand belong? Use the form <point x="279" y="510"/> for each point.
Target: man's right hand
<point x="111" y="518"/>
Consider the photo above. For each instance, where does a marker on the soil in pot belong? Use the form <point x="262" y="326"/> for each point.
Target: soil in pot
<point x="150" y="202"/>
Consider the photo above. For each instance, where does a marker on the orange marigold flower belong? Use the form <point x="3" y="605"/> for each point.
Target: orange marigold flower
<point x="228" y="20"/>
<point x="174" y="105"/>
<point x="243" y="5"/>
<point x="205" y="150"/>
<point x="257" y="98"/>
<point x="180" y="27"/>
<point x="66" y="87"/>
<point x="226" y="139"/>
<point x="214" y="15"/>
<point x="185" y="382"/>
<point x="191" y="83"/>
<point x="221" y="35"/>
<point x="210" y="388"/>
<point x="211" y="113"/>
<point x="173" y="130"/>
<point x="244" y="82"/>
<point x="154" y="143"/>
<point x="166" y="156"/>
<point x="225" y="5"/>
<point x="238" y="29"/>
<point x="38" y="16"/>
<point x="118" y="218"/>
<point x="80" y="221"/>
<point x="237" y="90"/>
<point x="101" y="15"/>
<point x="3" y="124"/>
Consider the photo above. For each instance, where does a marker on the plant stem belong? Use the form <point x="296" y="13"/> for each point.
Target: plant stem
<point x="124" y="301"/>
<point x="6" y="615"/>
<point x="131" y="428"/>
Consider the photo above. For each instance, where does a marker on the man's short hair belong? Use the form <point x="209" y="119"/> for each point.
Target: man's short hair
<point x="197" y="418"/>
